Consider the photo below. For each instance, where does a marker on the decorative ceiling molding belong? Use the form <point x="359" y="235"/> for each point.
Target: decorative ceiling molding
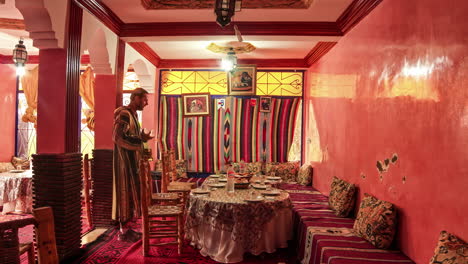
<point x="320" y="49"/>
<point x="103" y="13"/>
<point x="34" y="59"/>
<point x="247" y="28"/>
<point x="355" y="12"/>
<point x="10" y="23"/>
<point x="147" y="52"/>
<point x="209" y="4"/>
<point x="215" y="63"/>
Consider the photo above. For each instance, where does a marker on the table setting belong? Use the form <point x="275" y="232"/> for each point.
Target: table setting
<point x="225" y="222"/>
<point x="16" y="191"/>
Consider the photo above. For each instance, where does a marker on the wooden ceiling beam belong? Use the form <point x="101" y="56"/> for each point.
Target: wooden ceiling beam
<point x="247" y="28"/>
<point x="10" y="23"/>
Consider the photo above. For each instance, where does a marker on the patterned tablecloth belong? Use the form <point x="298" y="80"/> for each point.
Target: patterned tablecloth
<point x="230" y="212"/>
<point x="16" y="191"/>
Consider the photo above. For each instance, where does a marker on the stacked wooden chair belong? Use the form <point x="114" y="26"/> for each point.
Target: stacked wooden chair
<point x="159" y="221"/>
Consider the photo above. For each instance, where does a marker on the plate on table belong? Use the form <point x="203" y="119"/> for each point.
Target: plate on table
<point x="214" y="176"/>
<point x="271" y="192"/>
<point x="254" y="200"/>
<point x="200" y="191"/>
<point x="222" y="180"/>
<point x="259" y="186"/>
<point x="17" y="171"/>
<point x="274" y="178"/>
<point x="217" y="185"/>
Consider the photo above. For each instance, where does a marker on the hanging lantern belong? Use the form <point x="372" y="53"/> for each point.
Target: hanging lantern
<point x="20" y="56"/>
<point x="224" y="10"/>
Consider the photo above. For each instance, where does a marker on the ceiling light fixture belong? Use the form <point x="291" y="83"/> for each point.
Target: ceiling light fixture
<point x="229" y="63"/>
<point x="20" y="56"/>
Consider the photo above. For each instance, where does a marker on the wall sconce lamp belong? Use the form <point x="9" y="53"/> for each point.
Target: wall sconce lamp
<point x="20" y="56"/>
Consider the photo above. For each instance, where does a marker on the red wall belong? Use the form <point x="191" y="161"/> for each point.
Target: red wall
<point x="7" y="111"/>
<point x="104" y="106"/>
<point x="398" y="83"/>
<point x="51" y="101"/>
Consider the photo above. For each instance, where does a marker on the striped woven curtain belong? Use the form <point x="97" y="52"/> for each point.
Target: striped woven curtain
<point x="231" y="134"/>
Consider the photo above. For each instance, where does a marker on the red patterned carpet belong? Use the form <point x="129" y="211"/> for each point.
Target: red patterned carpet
<point x="108" y="249"/>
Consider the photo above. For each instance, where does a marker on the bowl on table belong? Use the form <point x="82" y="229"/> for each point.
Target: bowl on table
<point x="273" y="178"/>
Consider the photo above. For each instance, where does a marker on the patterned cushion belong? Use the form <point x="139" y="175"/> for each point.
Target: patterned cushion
<point x="20" y="162"/>
<point x="254" y="167"/>
<point x="6" y="166"/>
<point x="235" y="166"/>
<point x="376" y="221"/>
<point x="287" y="171"/>
<point x="341" y="199"/>
<point x="269" y="166"/>
<point x="304" y="176"/>
<point x="450" y="249"/>
<point x="181" y="168"/>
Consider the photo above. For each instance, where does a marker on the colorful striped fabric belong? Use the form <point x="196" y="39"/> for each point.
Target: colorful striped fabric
<point x="324" y="238"/>
<point x="231" y="134"/>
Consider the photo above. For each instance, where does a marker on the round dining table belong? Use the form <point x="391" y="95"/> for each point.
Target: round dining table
<point x="16" y="191"/>
<point x="225" y="226"/>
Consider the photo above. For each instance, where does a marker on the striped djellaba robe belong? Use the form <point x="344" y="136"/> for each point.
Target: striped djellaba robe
<point x="128" y="148"/>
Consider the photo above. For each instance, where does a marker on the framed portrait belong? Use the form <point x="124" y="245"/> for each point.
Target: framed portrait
<point x="196" y="104"/>
<point x="242" y="80"/>
<point x="265" y="104"/>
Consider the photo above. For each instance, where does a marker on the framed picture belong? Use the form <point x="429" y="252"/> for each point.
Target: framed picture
<point x="265" y="104"/>
<point x="196" y="104"/>
<point x="242" y="79"/>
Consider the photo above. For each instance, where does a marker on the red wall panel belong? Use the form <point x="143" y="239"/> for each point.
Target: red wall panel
<point x="398" y="83"/>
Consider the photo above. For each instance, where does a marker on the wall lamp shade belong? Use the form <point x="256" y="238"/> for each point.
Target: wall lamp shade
<point x="229" y="62"/>
<point x="20" y="56"/>
<point x="224" y="10"/>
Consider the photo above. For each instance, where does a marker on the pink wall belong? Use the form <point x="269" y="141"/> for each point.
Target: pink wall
<point x="51" y="100"/>
<point x="148" y="120"/>
<point x="398" y="83"/>
<point x="104" y="106"/>
<point x="7" y="111"/>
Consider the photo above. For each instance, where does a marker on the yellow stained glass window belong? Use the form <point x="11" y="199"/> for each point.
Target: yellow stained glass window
<point x="279" y="83"/>
<point x="179" y="82"/>
<point x="131" y="81"/>
<point x="271" y="83"/>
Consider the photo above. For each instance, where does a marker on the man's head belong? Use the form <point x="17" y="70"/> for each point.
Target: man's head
<point x="139" y="98"/>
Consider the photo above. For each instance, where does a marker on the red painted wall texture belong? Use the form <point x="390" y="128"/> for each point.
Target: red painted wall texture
<point x="104" y="94"/>
<point x="7" y="110"/>
<point x="398" y="83"/>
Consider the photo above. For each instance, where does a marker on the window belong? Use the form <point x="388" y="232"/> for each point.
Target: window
<point x="270" y="83"/>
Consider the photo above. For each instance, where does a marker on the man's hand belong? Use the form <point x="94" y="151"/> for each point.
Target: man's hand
<point x="145" y="137"/>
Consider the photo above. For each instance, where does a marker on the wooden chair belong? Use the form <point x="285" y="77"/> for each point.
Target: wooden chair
<point x="86" y="190"/>
<point x="164" y="197"/>
<point x="158" y="221"/>
<point x="29" y="249"/>
<point x="45" y="236"/>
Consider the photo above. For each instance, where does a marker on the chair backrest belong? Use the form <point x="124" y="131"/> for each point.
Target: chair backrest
<point x="145" y="191"/>
<point x="45" y="236"/>
<point x="166" y="171"/>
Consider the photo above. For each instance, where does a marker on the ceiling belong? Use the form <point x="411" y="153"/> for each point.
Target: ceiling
<point x="194" y="47"/>
<point x="166" y="44"/>
<point x="9" y="37"/>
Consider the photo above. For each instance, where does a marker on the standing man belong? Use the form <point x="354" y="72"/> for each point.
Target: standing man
<point x="128" y="149"/>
